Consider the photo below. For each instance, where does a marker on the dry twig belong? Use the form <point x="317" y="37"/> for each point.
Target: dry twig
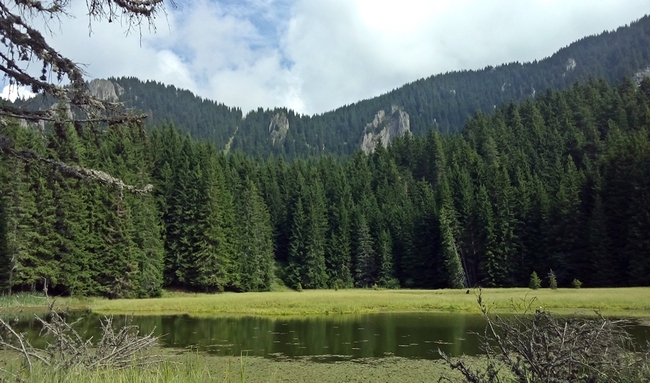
<point x="539" y="347"/>
<point x="118" y="347"/>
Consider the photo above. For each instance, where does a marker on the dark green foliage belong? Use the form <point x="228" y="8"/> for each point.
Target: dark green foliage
<point x="449" y="231"/>
<point x="77" y="237"/>
<point x="535" y="283"/>
<point x="308" y="230"/>
<point x="385" y="257"/>
<point x="255" y="239"/>
<point x="559" y="182"/>
<point x="365" y="274"/>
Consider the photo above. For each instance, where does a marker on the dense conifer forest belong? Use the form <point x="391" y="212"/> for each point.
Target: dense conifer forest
<point x="559" y="183"/>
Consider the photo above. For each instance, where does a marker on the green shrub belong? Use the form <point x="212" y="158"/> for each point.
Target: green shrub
<point x="535" y="282"/>
<point x="576" y="283"/>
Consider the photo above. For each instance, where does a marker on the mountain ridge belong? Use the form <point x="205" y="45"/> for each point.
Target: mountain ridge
<point x="442" y="101"/>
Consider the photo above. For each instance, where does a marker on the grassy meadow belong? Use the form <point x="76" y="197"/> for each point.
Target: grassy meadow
<point x="609" y="301"/>
<point x="630" y="301"/>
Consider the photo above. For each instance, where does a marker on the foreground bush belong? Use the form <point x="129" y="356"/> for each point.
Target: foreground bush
<point x="541" y="348"/>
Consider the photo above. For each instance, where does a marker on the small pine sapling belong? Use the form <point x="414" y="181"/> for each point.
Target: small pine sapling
<point x="535" y="282"/>
<point x="552" y="280"/>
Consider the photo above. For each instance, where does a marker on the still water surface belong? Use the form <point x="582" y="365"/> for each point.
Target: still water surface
<point x="410" y="335"/>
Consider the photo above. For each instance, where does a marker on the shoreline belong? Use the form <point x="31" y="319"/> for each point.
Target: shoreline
<point x="612" y="302"/>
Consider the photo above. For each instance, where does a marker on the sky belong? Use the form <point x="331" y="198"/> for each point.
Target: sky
<point x="316" y="55"/>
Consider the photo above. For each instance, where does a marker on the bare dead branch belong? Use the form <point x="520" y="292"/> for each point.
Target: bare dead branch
<point x="73" y="171"/>
<point x="117" y="348"/>
<point x="539" y="347"/>
<point x="61" y="78"/>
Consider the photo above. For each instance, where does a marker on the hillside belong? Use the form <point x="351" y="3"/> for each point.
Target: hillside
<point x="443" y="101"/>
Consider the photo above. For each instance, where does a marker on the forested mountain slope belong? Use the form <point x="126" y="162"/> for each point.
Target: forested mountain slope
<point x="556" y="183"/>
<point x="443" y="101"/>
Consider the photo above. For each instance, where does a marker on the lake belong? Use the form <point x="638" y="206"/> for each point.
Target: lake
<point x="326" y="338"/>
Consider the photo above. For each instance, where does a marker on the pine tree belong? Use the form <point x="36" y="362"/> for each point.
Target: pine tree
<point x="424" y="266"/>
<point x="213" y="258"/>
<point x="338" y="253"/>
<point x="385" y="276"/>
<point x="453" y="268"/>
<point x="315" y="274"/>
<point x="255" y="242"/>
<point x="365" y="266"/>
<point x="298" y="246"/>
<point x="488" y="263"/>
<point x="27" y="221"/>
<point x="79" y="267"/>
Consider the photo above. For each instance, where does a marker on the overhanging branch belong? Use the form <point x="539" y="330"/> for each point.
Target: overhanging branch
<point x="73" y="171"/>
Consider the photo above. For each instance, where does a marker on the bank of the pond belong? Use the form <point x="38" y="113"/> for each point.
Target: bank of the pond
<point x="36" y="302"/>
<point x="630" y="302"/>
<point x="200" y="367"/>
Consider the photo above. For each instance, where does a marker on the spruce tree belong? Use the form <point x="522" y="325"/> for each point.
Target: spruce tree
<point x="338" y="253"/>
<point x="365" y="266"/>
<point x="298" y="246"/>
<point x="453" y="268"/>
<point x="385" y="277"/>
<point x="535" y="283"/>
<point x="255" y="239"/>
<point x="213" y="258"/>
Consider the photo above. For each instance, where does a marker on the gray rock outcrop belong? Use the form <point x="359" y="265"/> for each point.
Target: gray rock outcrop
<point x="105" y="90"/>
<point x="278" y="128"/>
<point x="384" y="128"/>
<point x="640" y="75"/>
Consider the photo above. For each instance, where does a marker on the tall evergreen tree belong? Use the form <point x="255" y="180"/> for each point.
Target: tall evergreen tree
<point x="365" y="274"/>
<point x="255" y="239"/>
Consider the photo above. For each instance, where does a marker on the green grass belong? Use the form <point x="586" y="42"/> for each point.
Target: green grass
<point x="609" y="301"/>
<point x="199" y="367"/>
<point x="188" y="367"/>
<point x="630" y="302"/>
<point x="35" y="302"/>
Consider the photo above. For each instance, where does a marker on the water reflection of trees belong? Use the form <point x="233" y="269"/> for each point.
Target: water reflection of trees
<point x="412" y="335"/>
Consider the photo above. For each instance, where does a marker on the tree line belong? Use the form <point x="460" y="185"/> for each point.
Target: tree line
<point x="557" y="183"/>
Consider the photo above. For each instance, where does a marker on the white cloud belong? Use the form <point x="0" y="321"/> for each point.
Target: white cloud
<point x="13" y="92"/>
<point x="347" y="51"/>
<point x="316" y="55"/>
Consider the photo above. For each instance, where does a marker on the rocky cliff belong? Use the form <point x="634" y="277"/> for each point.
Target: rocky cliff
<point x="105" y="90"/>
<point x="278" y="128"/>
<point x="384" y="127"/>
